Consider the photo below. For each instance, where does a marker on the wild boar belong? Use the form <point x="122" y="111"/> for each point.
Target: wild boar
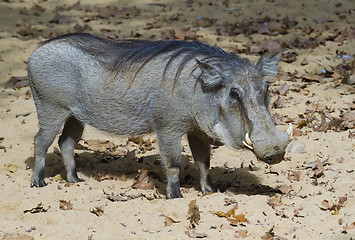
<point x="133" y="87"/>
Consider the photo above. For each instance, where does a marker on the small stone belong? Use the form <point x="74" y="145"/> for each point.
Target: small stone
<point x="296" y="146"/>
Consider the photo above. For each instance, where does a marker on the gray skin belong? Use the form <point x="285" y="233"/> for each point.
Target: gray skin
<point x="134" y="87"/>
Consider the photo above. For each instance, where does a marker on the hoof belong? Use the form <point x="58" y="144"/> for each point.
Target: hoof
<point x="74" y="179"/>
<point x="40" y="183"/>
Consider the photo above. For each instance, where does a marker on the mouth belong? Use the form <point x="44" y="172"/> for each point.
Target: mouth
<point x="272" y="157"/>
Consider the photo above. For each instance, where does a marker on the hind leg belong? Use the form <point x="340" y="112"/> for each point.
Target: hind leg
<point x="73" y="129"/>
<point x="50" y="122"/>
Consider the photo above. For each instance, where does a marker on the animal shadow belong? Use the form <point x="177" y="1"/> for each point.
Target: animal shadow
<point x="105" y="166"/>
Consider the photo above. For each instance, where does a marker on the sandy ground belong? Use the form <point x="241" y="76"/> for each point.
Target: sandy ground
<point x="310" y="195"/>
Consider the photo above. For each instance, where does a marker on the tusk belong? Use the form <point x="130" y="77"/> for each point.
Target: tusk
<point x="290" y="130"/>
<point x="247" y="139"/>
<point x="247" y="145"/>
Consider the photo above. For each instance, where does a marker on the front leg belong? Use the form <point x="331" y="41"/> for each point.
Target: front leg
<point x="201" y="153"/>
<point x="170" y="151"/>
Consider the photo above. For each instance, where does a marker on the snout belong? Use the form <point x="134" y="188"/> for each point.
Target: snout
<point x="268" y="147"/>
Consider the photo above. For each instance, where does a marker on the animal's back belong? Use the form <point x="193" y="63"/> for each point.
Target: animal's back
<point x="66" y="73"/>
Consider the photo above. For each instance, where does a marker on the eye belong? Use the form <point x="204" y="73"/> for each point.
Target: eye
<point x="234" y="94"/>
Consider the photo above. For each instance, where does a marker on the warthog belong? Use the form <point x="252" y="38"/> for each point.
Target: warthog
<point x="133" y="87"/>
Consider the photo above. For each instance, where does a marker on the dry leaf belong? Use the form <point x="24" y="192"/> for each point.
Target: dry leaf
<point x="98" y="211"/>
<point x="277" y="118"/>
<point x="335" y="206"/>
<point x="282" y="90"/>
<point x="193" y="214"/>
<point x="116" y="198"/>
<point x="226" y="226"/>
<point x="326" y="205"/>
<point x="279" y="102"/>
<point x="274" y="201"/>
<point x="349" y="226"/>
<point x="231" y="217"/>
<point x="312" y="77"/>
<point x="37" y="209"/>
<point x="319" y="169"/>
<point x="235" y="220"/>
<point x="269" y="235"/>
<point x="294" y="176"/>
<point x="240" y="234"/>
<point x="64" y="205"/>
<point x="192" y="234"/>
<point x="179" y="34"/>
<point x="285" y="189"/>
<point x="142" y="180"/>
<point x="169" y="221"/>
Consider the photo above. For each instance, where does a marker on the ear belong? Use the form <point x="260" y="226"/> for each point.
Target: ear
<point x="269" y="65"/>
<point x="209" y="77"/>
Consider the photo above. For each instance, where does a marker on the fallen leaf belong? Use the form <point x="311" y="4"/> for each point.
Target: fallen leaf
<point x="231" y="216"/>
<point x="296" y="132"/>
<point x="294" y="176"/>
<point x="98" y="211"/>
<point x="169" y="221"/>
<point x="192" y="234"/>
<point x="235" y="220"/>
<point x="27" y="95"/>
<point x="116" y="198"/>
<point x="285" y="189"/>
<point x="274" y="201"/>
<point x="319" y="169"/>
<point x="267" y="45"/>
<point x="193" y="214"/>
<point x="335" y="207"/>
<point x="269" y="235"/>
<point x="240" y="234"/>
<point x="279" y="102"/>
<point x="277" y="118"/>
<point x="142" y="181"/>
<point x="282" y="90"/>
<point x="179" y="34"/>
<point x="297" y="212"/>
<point x="289" y="56"/>
<point x="64" y="205"/>
<point x="37" y="209"/>
<point x="100" y="145"/>
<point x="312" y="77"/>
<point x="349" y="226"/>
<point x="226" y="226"/>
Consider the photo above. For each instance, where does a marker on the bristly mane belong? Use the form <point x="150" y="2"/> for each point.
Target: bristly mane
<point x="132" y="55"/>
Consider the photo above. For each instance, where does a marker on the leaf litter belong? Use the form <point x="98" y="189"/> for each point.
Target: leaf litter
<point x="233" y="218"/>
